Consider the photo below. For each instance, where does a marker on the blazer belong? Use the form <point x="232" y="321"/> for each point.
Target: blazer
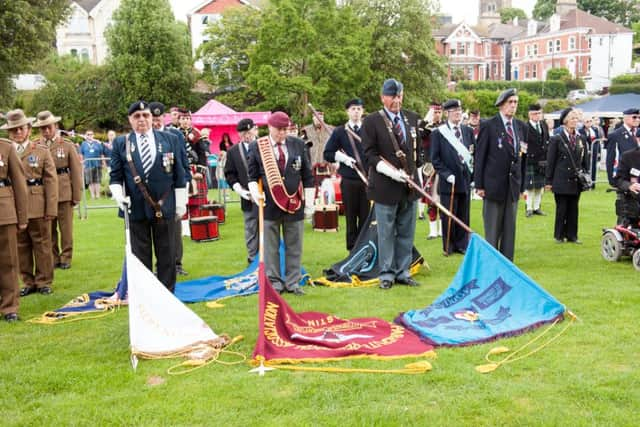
<point x="339" y="140"/>
<point x="500" y="167"/>
<point x="69" y="169"/>
<point x="14" y="196"/>
<point x="629" y="160"/>
<point x="162" y="179"/>
<point x="43" y="196"/>
<point x="537" y="143"/>
<point x="297" y="171"/>
<point x="560" y="173"/>
<point x="619" y="141"/>
<point x="378" y="145"/>
<point x="181" y="146"/>
<point x="235" y="170"/>
<point x="446" y="161"/>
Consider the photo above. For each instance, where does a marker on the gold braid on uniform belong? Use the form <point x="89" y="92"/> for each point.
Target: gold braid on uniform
<point x="289" y="203"/>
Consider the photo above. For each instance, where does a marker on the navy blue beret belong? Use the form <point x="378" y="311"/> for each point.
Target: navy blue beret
<point x="630" y="111"/>
<point x="505" y="95"/>
<point x="354" y="101"/>
<point x="564" y="114"/>
<point x="157" y="108"/>
<point x="451" y="104"/>
<point x="245" y="125"/>
<point x="392" y="87"/>
<point x="138" y="106"/>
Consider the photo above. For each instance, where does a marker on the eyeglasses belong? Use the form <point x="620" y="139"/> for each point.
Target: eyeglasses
<point x="635" y="117"/>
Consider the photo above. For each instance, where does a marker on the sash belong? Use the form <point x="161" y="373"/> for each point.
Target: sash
<point x="289" y="203"/>
<point x="463" y="152"/>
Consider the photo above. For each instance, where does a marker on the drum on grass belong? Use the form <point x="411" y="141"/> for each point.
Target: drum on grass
<point x="338" y="194"/>
<point x="204" y="229"/>
<point x="214" y="209"/>
<point x="325" y="218"/>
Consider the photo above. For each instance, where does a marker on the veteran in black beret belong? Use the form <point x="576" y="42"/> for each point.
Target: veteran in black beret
<point x="151" y="186"/>
<point x="537" y="138"/>
<point x="623" y="139"/>
<point x="393" y="154"/>
<point x="345" y="147"/>
<point x="452" y="161"/>
<point x="499" y="172"/>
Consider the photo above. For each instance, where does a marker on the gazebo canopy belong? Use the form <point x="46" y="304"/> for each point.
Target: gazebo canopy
<point x="607" y="106"/>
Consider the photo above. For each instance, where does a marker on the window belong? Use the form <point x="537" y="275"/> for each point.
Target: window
<point x="589" y="65"/>
<point x="550" y="46"/>
<point x="580" y="65"/>
<point x="535" y="49"/>
<point x="74" y="53"/>
<point x="461" y="49"/>
<point x="528" y="50"/>
<point x="572" y="43"/>
<point x="601" y="41"/>
<point x="452" y="50"/>
<point x="515" y="52"/>
<point x="84" y="54"/>
<point x="589" y="42"/>
<point x="534" y="71"/>
<point x="470" y="72"/>
<point x="558" y="45"/>
<point x="205" y="20"/>
<point x="526" y="71"/>
<point x="494" y="69"/>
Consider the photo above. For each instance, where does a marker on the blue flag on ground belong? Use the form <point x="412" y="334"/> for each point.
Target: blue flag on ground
<point x="217" y="287"/>
<point x="489" y="298"/>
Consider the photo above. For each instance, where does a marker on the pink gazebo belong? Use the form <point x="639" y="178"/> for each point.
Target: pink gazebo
<point x="220" y="119"/>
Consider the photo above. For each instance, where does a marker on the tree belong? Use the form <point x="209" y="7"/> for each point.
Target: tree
<point x="559" y="74"/>
<point x="623" y="12"/>
<point x="27" y="31"/>
<point x="150" y="54"/>
<point x="309" y="51"/>
<point x="508" y="13"/>
<point x="402" y="47"/>
<point x="544" y="9"/>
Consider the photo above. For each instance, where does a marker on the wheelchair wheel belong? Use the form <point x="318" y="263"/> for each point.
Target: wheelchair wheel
<point x="636" y="259"/>
<point x="611" y="247"/>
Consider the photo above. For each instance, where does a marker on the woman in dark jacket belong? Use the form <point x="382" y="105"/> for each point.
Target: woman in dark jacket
<point x="566" y="149"/>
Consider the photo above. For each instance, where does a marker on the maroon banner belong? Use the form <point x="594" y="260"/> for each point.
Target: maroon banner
<point x="289" y="337"/>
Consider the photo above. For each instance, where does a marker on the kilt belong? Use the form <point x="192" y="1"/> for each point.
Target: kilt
<point x="534" y="177"/>
<point x="202" y="190"/>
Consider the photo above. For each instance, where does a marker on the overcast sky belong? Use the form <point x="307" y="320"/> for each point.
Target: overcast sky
<point x="458" y="9"/>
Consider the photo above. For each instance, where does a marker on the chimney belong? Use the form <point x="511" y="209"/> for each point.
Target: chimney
<point x="554" y="22"/>
<point x="515" y="21"/>
<point x="565" y="6"/>
<point x="532" y="27"/>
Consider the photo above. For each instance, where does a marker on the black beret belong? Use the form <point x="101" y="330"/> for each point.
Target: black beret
<point x="474" y="112"/>
<point x="535" y="107"/>
<point x="630" y="111"/>
<point x="157" y="109"/>
<point x="392" y="87"/>
<point x="245" y="125"/>
<point x="354" y="101"/>
<point x="505" y="95"/>
<point x="451" y="104"/>
<point x="564" y="114"/>
<point x="138" y="106"/>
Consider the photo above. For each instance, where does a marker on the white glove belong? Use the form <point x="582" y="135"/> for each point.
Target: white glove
<point x="181" y="201"/>
<point x="245" y="194"/>
<point x="393" y="173"/>
<point x="451" y="179"/>
<point x="117" y="194"/>
<point x="309" y="202"/>
<point x="345" y="159"/>
<point x="255" y="193"/>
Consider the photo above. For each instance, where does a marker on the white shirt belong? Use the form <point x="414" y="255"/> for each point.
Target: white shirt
<point x="151" y="140"/>
<point x="352" y="125"/>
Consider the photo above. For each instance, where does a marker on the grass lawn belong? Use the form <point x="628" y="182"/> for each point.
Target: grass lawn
<point x="79" y="373"/>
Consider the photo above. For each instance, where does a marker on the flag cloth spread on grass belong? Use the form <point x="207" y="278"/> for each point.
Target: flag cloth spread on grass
<point x="219" y="287"/>
<point x="360" y="267"/>
<point x="489" y="298"/>
<point x="289" y="337"/>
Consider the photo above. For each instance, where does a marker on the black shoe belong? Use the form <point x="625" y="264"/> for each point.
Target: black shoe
<point x="575" y="241"/>
<point x="461" y="251"/>
<point x="298" y="292"/>
<point x="56" y="265"/>
<point x="431" y="237"/>
<point x="11" y="317"/>
<point x="64" y="266"/>
<point x="408" y="281"/>
<point x="386" y="284"/>
<point x="280" y="291"/>
<point x="528" y="213"/>
<point x="181" y="271"/>
<point x="45" y="290"/>
<point x="27" y="291"/>
<point x="539" y="212"/>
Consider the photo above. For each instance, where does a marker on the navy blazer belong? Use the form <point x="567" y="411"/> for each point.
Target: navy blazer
<point x="235" y="170"/>
<point x="339" y="140"/>
<point x="297" y="170"/>
<point x="161" y="181"/>
<point x="446" y="161"/>
<point x="560" y="173"/>
<point x="181" y="145"/>
<point x="619" y="141"/>
<point x="500" y="167"/>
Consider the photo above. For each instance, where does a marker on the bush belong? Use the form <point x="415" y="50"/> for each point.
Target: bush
<point x="625" y="88"/>
<point x="555" y="105"/>
<point x="558" y="74"/>
<point x="626" y="79"/>
<point x="484" y="100"/>
<point x="546" y="89"/>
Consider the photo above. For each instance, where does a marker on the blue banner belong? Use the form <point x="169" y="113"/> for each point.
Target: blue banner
<point x="489" y="298"/>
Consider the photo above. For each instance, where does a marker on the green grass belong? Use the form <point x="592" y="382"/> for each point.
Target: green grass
<point x="79" y="373"/>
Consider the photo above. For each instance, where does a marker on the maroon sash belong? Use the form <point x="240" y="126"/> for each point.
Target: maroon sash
<point x="289" y="203"/>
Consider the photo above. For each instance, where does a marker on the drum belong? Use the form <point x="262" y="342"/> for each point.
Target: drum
<point x="204" y="229"/>
<point x="214" y="209"/>
<point x="338" y="194"/>
<point x="325" y="218"/>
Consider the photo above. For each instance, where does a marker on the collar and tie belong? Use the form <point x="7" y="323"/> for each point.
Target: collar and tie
<point x="510" y="133"/>
<point x="356" y="128"/>
<point x="397" y="129"/>
<point x="456" y="130"/>
<point x="572" y="140"/>
<point x="281" y="159"/>
<point x="145" y="154"/>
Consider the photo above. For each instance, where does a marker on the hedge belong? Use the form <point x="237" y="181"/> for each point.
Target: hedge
<point x="484" y="100"/>
<point x="546" y="89"/>
<point x="625" y="88"/>
<point x="626" y="79"/>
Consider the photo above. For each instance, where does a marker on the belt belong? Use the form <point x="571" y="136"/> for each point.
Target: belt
<point x="32" y="182"/>
<point x="61" y="171"/>
<point x="5" y="183"/>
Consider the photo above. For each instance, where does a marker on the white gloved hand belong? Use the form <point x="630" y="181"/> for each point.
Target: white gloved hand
<point x="309" y="201"/>
<point x="345" y="159"/>
<point x="393" y="173"/>
<point x="256" y="196"/>
<point x="181" y="205"/>
<point x="451" y="179"/>
<point x="245" y="194"/>
<point x="117" y="194"/>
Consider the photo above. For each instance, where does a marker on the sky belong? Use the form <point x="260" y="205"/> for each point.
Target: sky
<point x="459" y="9"/>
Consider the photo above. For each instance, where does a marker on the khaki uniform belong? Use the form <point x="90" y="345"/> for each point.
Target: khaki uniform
<point x="69" y="170"/>
<point x="319" y="137"/>
<point x="34" y="243"/>
<point x="13" y="211"/>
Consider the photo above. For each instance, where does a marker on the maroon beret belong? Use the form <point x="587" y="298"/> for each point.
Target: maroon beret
<point x="279" y="119"/>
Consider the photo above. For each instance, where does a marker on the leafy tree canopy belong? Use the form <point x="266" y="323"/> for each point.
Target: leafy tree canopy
<point x="508" y="13"/>
<point x="623" y="12"/>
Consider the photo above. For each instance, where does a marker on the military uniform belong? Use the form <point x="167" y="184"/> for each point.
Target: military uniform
<point x="13" y="211"/>
<point x="34" y="243"/>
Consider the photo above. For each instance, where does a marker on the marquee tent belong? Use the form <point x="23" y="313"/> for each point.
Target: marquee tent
<point x="607" y="106"/>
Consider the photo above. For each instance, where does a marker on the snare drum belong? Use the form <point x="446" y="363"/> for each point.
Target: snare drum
<point x="325" y="218"/>
<point x="215" y="209"/>
<point x="204" y="229"/>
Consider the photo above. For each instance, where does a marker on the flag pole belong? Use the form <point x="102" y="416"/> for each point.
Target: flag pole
<point x="419" y="189"/>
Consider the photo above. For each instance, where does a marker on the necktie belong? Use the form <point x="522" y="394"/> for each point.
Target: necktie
<point x="356" y="128"/>
<point x="572" y="140"/>
<point x="145" y="154"/>
<point x="397" y="130"/>
<point x="457" y="129"/>
<point x="510" y="133"/>
<point x="538" y="128"/>
<point x="281" y="159"/>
